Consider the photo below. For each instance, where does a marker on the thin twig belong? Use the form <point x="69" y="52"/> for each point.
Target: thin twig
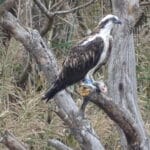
<point x="51" y="14"/>
<point x="56" y="5"/>
<point x="73" y="9"/>
<point x="44" y="9"/>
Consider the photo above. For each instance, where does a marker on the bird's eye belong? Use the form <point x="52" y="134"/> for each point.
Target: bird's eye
<point x="114" y="19"/>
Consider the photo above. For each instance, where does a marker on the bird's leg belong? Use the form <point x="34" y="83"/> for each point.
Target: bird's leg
<point x="99" y="86"/>
<point x="83" y="106"/>
<point x="88" y="81"/>
<point x="86" y="86"/>
<point x="85" y="89"/>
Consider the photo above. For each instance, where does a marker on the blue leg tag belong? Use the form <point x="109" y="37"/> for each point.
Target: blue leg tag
<point x="88" y="81"/>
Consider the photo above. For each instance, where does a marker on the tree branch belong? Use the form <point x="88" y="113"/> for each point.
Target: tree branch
<point x="47" y="25"/>
<point x="57" y="5"/>
<point x="51" y="14"/>
<point x="58" y="145"/>
<point x="119" y="115"/>
<point x="74" y="9"/>
<point x="68" y="110"/>
<point x="10" y="141"/>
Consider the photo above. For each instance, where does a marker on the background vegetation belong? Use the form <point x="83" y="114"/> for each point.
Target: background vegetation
<point x="22" y="83"/>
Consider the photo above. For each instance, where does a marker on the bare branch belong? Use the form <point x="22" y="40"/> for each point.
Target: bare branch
<point x="74" y="9"/>
<point x="58" y="145"/>
<point x="119" y="115"/>
<point x="10" y="141"/>
<point x="47" y="25"/>
<point x="68" y="110"/>
<point x="51" y="14"/>
<point x="56" y="5"/>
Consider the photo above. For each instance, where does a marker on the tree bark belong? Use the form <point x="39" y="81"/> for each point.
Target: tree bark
<point x="121" y="116"/>
<point x="122" y="66"/>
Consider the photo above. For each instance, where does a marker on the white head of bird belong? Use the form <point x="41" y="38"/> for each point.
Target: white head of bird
<point x="107" y="23"/>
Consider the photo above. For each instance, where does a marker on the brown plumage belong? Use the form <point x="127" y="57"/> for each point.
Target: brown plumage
<point x="86" y="57"/>
<point x="80" y="60"/>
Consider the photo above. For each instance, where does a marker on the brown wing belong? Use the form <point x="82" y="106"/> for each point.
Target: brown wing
<point x="81" y="59"/>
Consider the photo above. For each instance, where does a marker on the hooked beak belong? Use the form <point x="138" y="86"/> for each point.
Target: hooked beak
<point x="117" y="22"/>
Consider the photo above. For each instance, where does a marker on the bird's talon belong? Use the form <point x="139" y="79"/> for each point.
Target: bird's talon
<point x="84" y="91"/>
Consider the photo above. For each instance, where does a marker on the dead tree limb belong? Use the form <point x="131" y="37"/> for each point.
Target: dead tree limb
<point x="68" y="110"/>
<point x="121" y="116"/>
<point x="50" y="14"/>
<point x="57" y="5"/>
<point x="58" y="145"/>
<point x="44" y="9"/>
<point x="74" y="9"/>
<point x="10" y="141"/>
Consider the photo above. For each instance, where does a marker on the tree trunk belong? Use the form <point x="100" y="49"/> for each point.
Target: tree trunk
<point x="122" y="66"/>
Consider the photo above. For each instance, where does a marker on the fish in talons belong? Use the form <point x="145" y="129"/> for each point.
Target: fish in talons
<point x="86" y="89"/>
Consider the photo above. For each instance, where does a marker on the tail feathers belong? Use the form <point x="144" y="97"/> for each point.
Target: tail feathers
<point x="56" y="87"/>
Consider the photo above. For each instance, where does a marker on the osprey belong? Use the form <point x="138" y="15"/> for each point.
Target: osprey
<point x="86" y="57"/>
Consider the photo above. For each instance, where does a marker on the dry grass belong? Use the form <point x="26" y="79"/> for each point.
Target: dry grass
<point x="24" y="114"/>
<point x="143" y="78"/>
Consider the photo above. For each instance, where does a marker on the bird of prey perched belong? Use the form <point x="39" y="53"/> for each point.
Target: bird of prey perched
<point x="86" y="57"/>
